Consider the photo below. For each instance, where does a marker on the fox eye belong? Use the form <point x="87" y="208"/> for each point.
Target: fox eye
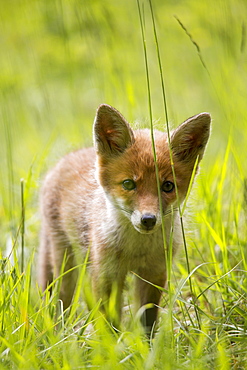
<point x="167" y="186"/>
<point x="128" y="184"/>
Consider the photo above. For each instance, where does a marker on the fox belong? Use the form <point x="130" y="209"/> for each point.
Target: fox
<point x="121" y="205"/>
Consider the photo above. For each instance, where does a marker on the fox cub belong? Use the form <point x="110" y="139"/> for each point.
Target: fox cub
<point x="106" y="198"/>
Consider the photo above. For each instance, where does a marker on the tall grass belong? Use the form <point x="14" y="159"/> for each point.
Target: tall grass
<point x="63" y="59"/>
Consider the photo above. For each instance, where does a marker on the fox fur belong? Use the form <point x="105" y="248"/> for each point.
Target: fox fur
<point x="106" y="198"/>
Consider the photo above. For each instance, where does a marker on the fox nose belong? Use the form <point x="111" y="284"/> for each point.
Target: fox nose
<point x="148" y="220"/>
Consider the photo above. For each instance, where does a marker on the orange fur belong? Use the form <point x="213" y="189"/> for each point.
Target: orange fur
<point x="86" y="201"/>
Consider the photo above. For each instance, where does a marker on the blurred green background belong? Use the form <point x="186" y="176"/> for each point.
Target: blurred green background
<point x="60" y="59"/>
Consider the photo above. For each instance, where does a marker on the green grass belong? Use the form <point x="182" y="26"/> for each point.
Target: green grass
<point x="59" y="61"/>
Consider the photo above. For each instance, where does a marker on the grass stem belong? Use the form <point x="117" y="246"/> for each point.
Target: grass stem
<point x="22" y="225"/>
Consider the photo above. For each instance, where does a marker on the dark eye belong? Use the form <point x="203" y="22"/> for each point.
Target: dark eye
<point x="128" y="184"/>
<point x="167" y="186"/>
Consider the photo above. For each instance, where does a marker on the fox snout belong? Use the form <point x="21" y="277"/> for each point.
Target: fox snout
<point x="145" y="222"/>
<point x="148" y="221"/>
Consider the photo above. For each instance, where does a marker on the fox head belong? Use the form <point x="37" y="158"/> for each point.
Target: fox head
<point x="126" y="170"/>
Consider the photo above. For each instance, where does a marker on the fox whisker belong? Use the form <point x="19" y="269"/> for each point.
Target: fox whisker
<point x="171" y="211"/>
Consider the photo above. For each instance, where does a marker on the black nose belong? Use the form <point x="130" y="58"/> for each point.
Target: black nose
<point x="148" y="221"/>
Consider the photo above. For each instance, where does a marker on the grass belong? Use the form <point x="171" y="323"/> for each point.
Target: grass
<point x="61" y="60"/>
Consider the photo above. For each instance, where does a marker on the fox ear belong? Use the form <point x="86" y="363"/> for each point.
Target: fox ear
<point x="112" y="133"/>
<point x="190" y="138"/>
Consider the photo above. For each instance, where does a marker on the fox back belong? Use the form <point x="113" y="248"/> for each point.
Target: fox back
<point x="117" y="200"/>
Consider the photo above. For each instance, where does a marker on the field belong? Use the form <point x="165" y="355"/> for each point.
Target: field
<point x="59" y="60"/>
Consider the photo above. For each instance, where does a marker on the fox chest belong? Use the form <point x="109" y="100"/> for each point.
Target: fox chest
<point x="138" y="251"/>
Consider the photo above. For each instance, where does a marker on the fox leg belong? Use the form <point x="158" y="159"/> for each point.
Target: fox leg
<point x="55" y="257"/>
<point x="109" y="288"/>
<point x="45" y="269"/>
<point x="64" y="260"/>
<point x="148" y="294"/>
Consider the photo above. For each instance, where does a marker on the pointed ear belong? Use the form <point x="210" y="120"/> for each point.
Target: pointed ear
<point x="112" y="133"/>
<point x="190" y="138"/>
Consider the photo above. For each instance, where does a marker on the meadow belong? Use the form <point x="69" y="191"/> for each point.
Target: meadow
<point x="59" y="60"/>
